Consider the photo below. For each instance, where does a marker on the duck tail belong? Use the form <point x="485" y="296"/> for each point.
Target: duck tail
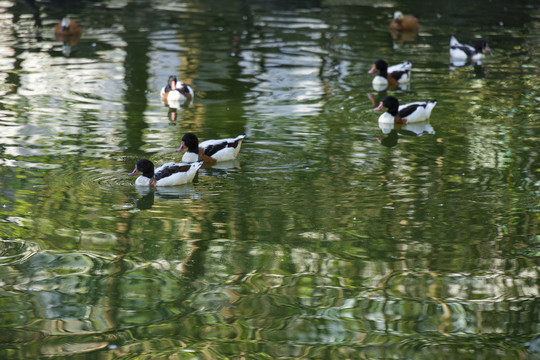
<point x="197" y="165"/>
<point x="239" y="138"/>
<point x="430" y="105"/>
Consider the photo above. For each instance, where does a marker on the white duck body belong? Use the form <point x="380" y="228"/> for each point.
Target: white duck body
<point x="408" y="113"/>
<point x="210" y="150"/>
<point x="379" y="82"/>
<point x="422" y="110"/>
<point x="386" y="118"/>
<point x="463" y="52"/>
<point x="178" y="96"/>
<point x="190" y="157"/>
<point x="459" y="51"/>
<point x="169" y="174"/>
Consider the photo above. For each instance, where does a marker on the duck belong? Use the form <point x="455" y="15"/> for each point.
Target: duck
<point x="169" y="174"/>
<point x="176" y="92"/>
<point x="402" y="22"/>
<point x="409" y="113"/>
<point x="463" y="52"/>
<point x="67" y="27"/>
<point x="393" y="75"/>
<point x="210" y="150"/>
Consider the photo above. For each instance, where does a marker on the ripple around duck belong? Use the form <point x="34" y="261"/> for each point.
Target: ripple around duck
<point x="15" y="251"/>
<point x="107" y="180"/>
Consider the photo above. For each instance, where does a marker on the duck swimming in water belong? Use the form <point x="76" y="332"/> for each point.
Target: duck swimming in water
<point x="404" y="114"/>
<point x="402" y="22"/>
<point x="176" y="91"/>
<point x="463" y="52"/>
<point x="68" y="27"/>
<point x="393" y="75"/>
<point x="168" y="174"/>
<point x="210" y="150"/>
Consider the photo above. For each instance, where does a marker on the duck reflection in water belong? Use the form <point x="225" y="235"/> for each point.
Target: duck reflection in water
<point x="400" y="37"/>
<point x="146" y="201"/>
<point x="148" y="195"/>
<point x="388" y="141"/>
<point x="171" y="114"/>
<point x="395" y="131"/>
<point x="478" y="69"/>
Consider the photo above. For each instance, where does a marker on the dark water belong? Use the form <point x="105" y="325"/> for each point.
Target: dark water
<point x="319" y="241"/>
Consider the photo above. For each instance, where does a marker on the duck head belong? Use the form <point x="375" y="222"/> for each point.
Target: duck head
<point x="171" y="83"/>
<point x="380" y="65"/>
<point x="389" y="102"/>
<point x="398" y="16"/>
<point x="481" y="45"/>
<point x="65" y="23"/>
<point x="144" y="166"/>
<point x="189" y="141"/>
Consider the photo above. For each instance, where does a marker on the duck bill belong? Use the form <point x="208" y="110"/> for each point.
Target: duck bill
<point x="173" y="85"/>
<point x="182" y="147"/>
<point x="379" y="107"/>
<point x="487" y="48"/>
<point x="373" y="69"/>
<point x="134" y="172"/>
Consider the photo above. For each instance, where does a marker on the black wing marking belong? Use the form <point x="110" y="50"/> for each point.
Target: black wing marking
<point x="465" y="49"/>
<point x="403" y="113"/>
<point x="212" y="149"/>
<point x="234" y="144"/>
<point x="398" y="73"/>
<point x="169" y="170"/>
<point x="184" y="90"/>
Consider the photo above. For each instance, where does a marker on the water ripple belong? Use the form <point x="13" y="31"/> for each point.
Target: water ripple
<point x="13" y="252"/>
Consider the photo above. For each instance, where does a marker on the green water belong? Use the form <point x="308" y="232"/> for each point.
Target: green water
<point x="319" y="241"/>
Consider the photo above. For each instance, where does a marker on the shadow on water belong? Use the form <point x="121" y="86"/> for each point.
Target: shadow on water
<point x="136" y="74"/>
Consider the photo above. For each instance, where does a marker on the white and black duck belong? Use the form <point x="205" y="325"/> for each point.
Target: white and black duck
<point x="210" y="150"/>
<point x="168" y="174"/>
<point x="409" y="113"/>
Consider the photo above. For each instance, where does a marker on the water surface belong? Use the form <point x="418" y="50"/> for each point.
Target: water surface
<point x="328" y="237"/>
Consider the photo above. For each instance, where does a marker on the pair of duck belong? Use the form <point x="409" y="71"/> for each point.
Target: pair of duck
<point x="405" y="23"/>
<point x="400" y="73"/>
<point x="393" y="75"/>
<point x="171" y="174"/>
